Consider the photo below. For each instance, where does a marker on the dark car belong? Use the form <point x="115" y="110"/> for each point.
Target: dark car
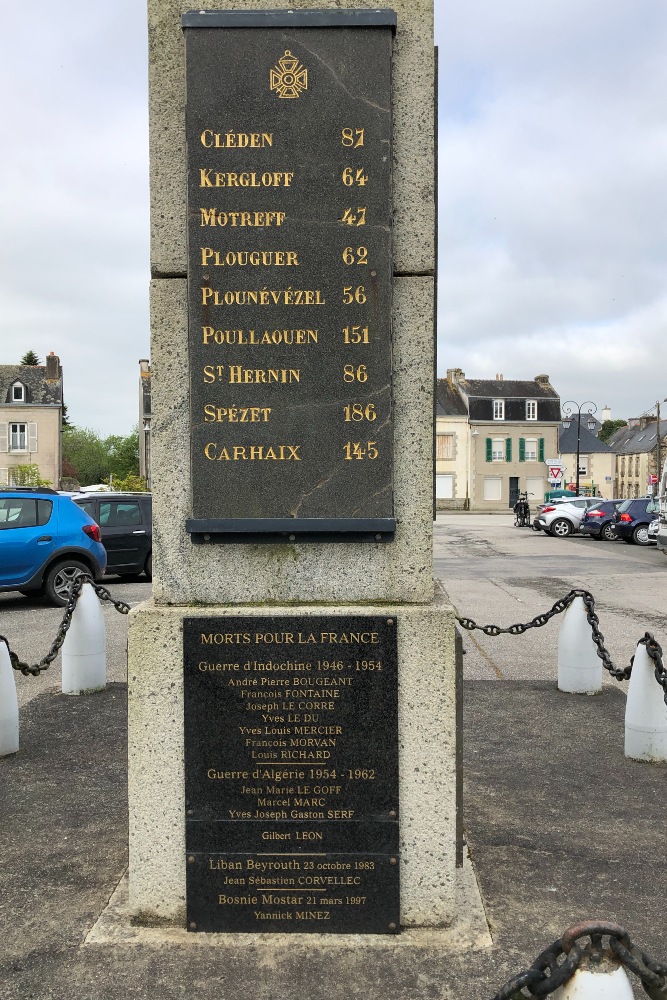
<point x="46" y="541"/>
<point x="633" y="518"/>
<point x="599" y="522"/>
<point x="126" y="529"/>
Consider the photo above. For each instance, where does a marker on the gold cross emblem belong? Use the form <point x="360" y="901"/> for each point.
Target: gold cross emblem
<point x="288" y="78"/>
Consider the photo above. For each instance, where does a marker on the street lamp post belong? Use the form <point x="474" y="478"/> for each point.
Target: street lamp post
<point x="569" y="408"/>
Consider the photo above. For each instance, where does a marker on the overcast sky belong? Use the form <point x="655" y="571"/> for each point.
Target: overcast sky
<point x="553" y="180"/>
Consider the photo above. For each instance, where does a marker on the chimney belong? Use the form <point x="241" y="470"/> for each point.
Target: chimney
<point x="52" y="366"/>
<point x="606" y="413"/>
<point x="455" y="375"/>
<point x="541" y="379"/>
<point x="499" y="378"/>
<point x="144" y="366"/>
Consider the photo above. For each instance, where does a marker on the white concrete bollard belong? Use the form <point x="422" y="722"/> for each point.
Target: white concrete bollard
<point x="601" y="985"/>
<point x="579" y="666"/>
<point x="84" y="663"/>
<point x="9" y="705"/>
<point x="645" y="712"/>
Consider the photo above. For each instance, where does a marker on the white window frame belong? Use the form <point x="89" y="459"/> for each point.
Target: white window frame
<point x="493" y="481"/>
<point x="497" y="449"/>
<point x="15" y="435"/>
<point x="499" y="409"/>
<point x="21" y="397"/>
<point x="531" y="409"/>
<point x="530" y="450"/>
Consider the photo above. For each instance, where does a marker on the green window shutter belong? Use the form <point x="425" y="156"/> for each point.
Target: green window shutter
<point x="522" y="449"/>
<point x="489" y="446"/>
<point x="540" y="451"/>
<point x="508" y="449"/>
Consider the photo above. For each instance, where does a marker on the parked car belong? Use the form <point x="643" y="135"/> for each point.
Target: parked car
<point x="633" y="518"/>
<point x="653" y="531"/>
<point x="561" y="519"/>
<point x="46" y="542"/>
<point x="541" y="507"/>
<point x="126" y="529"/>
<point x="598" y="521"/>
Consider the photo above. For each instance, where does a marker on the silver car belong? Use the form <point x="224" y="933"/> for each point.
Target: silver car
<point x="653" y="530"/>
<point x="562" y="519"/>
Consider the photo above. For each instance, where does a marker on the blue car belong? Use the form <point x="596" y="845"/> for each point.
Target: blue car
<point x="599" y="521"/>
<point x="633" y="518"/>
<point x="46" y="541"/>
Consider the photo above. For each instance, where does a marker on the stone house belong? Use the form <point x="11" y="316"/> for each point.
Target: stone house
<point x="502" y="433"/>
<point x="596" y="459"/>
<point x="635" y="449"/>
<point x="31" y="399"/>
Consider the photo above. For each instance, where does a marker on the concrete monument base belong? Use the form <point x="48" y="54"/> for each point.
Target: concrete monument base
<point x="427" y="759"/>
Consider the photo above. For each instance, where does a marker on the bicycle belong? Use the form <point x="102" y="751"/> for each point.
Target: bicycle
<point x="522" y="511"/>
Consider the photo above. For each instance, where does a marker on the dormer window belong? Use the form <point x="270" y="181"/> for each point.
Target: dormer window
<point x="499" y="409"/>
<point x="18" y="392"/>
<point x="531" y="409"/>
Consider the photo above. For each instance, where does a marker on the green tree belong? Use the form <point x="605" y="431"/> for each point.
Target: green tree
<point x="94" y="459"/>
<point x="85" y="453"/>
<point x="130" y="484"/>
<point x="30" y="358"/>
<point x="65" y="419"/>
<point x="28" y="475"/>
<point x="609" y="427"/>
<point x="123" y="454"/>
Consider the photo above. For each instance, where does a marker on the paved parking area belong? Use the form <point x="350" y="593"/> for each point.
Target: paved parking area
<point x="497" y="573"/>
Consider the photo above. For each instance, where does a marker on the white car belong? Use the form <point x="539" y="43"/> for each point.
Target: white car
<point x="653" y="529"/>
<point x="562" y="519"/>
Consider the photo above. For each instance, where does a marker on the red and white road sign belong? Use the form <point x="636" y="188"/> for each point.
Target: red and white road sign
<point x="555" y="471"/>
<point x="652" y="480"/>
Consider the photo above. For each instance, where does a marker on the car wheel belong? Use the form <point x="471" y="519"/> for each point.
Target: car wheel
<point x="608" y="533"/>
<point x="640" y="534"/>
<point x="561" y="528"/>
<point x="58" y="581"/>
<point x="148" y="568"/>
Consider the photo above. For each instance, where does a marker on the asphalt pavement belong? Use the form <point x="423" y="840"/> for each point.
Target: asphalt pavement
<point x="560" y="826"/>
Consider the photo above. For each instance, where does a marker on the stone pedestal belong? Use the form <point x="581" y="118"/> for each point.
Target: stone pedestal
<point x="426" y="696"/>
<point x="325" y="578"/>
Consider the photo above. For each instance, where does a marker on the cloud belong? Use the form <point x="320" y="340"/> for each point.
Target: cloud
<point x="553" y="157"/>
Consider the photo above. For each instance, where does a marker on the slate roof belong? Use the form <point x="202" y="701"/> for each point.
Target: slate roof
<point x="635" y="440"/>
<point x="507" y="389"/>
<point x="448" y="402"/>
<point x="588" y="442"/>
<point x="40" y="390"/>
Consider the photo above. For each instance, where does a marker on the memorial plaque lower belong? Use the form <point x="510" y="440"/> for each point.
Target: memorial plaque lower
<point x="291" y="774"/>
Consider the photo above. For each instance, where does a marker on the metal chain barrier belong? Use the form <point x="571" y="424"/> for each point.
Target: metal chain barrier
<point x="653" y="647"/>
<point x="75" y="592"/>
<point x="560" y="961"/>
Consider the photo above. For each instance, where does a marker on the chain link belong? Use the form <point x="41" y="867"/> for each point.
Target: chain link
<point x="75" y="592"/>
<point x="653" y="647"/>
<point x="558" y="963"/>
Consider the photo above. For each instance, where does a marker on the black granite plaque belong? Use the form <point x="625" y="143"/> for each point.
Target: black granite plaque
<point x="291" y="765"/>
<point x="289" y="270"/>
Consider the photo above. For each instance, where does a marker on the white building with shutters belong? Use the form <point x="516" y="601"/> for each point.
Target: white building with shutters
<point x="31" y="399"/>
<point x="493" y="440"/>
